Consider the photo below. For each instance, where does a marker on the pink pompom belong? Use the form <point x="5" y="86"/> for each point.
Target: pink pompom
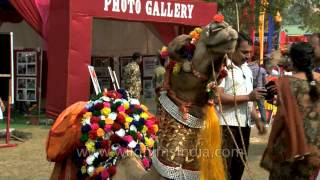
<point x="128" y="138"/>
<point x="121" y="151"/>
<point x="146" y="163"/>
<point x="139" y="135"/>
<point x="149" y="124"/>
<point x="106" y="104"/>
<point x="107" y="127"/>
<point x="105" y="174"/>
<point x="94" y="126"/>
<point x="121" y="109"/>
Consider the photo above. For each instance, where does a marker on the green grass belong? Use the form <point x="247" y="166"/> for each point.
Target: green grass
<point x="13" y="125"/>
<point x="19" y="121"/>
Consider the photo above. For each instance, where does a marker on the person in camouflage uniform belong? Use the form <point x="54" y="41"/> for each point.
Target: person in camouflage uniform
<point x="132" y="76"/>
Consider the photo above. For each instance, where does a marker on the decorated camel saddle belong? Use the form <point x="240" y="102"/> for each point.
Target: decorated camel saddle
<point x="115" y="137"/>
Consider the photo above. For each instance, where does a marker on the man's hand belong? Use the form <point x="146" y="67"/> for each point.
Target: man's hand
<point x="257" y="94"/>
<point x="261" y="128"/>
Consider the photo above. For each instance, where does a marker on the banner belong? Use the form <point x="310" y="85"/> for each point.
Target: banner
<point x="194" y="13"/>
<point x="261" y="31"/>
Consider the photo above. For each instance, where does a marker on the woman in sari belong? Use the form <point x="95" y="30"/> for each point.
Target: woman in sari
<point x="294" y="143"/>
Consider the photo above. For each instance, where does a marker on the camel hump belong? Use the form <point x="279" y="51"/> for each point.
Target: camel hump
<point x="65" y="133"/>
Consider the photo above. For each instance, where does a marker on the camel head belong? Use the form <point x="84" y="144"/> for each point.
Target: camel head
<point x="219" y="37"/>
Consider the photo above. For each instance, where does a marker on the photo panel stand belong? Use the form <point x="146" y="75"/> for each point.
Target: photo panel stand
<point x="8" y="134"/>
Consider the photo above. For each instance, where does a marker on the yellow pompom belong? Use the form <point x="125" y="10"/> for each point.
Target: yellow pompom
<point x="198" y="30"/>
<point x="142" y="148"/>
<point x="90" y="145"/>
<point x="112" y="154"/>
<point x="144" y="115"/>
<point x="144" y="129"/>
<point x="105" y="111"/>
<point x="126" y="105"/>
<point x="109" y="121"/>
<point x="176" y="68"/>
<point x="149" y="142"/>
<point x="87" y="115"/>
<point x="129" y="119"/>
<point x="83" y="169"/>
<point x="144" y="108"/>
<point x="164" y="48"/>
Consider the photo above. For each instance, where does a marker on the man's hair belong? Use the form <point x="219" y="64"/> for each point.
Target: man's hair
<point x="243" y="37"/>
<point x="136" y="55"/>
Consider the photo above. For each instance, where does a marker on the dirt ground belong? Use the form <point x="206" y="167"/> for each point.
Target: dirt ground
<point x="28" y="161"/>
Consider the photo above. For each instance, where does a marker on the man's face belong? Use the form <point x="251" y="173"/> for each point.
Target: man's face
<point x="139" y="60"/>
<point x="243" y="52"/>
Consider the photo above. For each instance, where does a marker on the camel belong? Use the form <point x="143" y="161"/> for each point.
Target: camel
<point x="180" y="113"/>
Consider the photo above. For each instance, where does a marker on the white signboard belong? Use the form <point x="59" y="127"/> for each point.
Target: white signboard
<point x="94" y="79"/>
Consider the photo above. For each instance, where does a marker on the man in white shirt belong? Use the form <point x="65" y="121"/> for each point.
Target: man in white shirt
<point x="240" y="80"/>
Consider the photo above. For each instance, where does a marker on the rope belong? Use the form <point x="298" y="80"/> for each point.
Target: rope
<point x="228" y="127"/>
<point x="237" y="117"/>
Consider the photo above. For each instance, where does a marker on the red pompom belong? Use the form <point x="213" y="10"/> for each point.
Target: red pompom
<point x="93" y="134"/>
<point x="151" y="131"/>
<point x="121" y="119"/>
<point x="218" y="18"/>
<point x="105" y="144"/>
<point x="116" y="126"/>
<point x="115" y="139"/>
<point x="98" y="106"/>
<point x="83" y="111"/>
<point x="94" y="119"/>
<point x="114" y="95"/>
<point x="171" y="66"/>
<point x="112" y="170"/>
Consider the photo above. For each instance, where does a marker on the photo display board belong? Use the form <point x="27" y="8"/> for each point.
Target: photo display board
<point x="26" y="71"/>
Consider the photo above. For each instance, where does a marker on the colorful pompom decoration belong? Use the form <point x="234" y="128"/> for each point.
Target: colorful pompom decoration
<point x="112" y="125"/>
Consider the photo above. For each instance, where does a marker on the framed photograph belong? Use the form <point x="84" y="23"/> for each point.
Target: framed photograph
<point x="31" y="95"/>
<point x="21" y="69"/>
<point x="31" y="83"/>
<point x="21" y="83"/>
<point x="149" y="64"/>
<point x="26" y="89"/>
<point x="31" y="70"/>
<point x="20" y="58"/>
<point x="26" y="62"/>
<point x="21" y="95"/>
<point x="31" y="58"/>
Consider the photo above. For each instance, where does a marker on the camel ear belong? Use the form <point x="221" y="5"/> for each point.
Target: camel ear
<point x="176" y="45"/>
